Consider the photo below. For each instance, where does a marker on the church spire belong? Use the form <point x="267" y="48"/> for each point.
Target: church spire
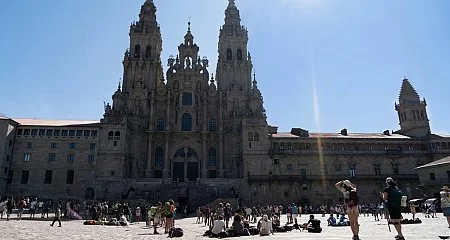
<point x="232" y="16"/>
<point x="148" y="12"/>
<point x="408" y="93"/>
<point x="189" y="38"/>
<point x="412" y="112"/>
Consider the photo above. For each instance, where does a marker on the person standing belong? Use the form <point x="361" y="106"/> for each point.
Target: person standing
<point x="392" y="195"/>
<point x="57" y="215"/>
<point x="21" y="206"/>
<point x="9" y="206"/>
<point x="445" y="203"/>
<point x="351" y="199"/>
<point x="138" y="214"/>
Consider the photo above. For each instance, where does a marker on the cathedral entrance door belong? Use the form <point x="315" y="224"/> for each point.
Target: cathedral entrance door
<point x="185" y="165"/>
<point x="192" y="173"/>
<point x="178" y="171"/>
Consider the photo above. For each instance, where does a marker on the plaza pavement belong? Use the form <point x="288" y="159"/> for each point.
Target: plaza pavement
<point x="370" y="230"/>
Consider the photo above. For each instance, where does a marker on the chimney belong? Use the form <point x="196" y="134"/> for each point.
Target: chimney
<point x="300" y="132"/>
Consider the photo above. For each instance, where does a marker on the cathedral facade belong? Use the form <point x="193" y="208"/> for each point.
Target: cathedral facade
<point x="194" y="136"/>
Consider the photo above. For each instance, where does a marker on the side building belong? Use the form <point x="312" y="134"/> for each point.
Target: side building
<point x="53" y="159"/>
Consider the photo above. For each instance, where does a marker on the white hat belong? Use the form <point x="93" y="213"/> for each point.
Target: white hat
<point x="389" y="179"/>
<point x="347" y="183"/>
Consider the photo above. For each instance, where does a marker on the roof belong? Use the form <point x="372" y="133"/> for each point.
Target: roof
<point x="54" y="123"/>
<point x="439" y="135"/>
<point x="442" y="161"/>
<point x="407" y="91"/>
<point x="338" y="135"/>
<point x="7" y="118"/>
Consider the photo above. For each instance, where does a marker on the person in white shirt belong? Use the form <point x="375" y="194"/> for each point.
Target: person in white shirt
<point x="218" y="227"/>
<point x="265" y="226"/>
<point x="32" y="209"/>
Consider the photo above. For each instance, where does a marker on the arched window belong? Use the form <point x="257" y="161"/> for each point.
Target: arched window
<point x="250" y="137"/>
<point x="117" y="135"/>
<point x="212" y="157"/>
<point x="137" y="51"/>
<point x="256" y="137"/>
<point x="229" y="54"/>
<point x="186" y="122"/>
<point x="110" y="135"/>
<point x="239" y="54"/>
<point x="159" y="157"/>
<point x="186" y="99"/>
<point x="148" y="51"/>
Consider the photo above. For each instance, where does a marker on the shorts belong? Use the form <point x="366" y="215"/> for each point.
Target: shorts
<point x="294" y="215"/>
<point x="155" y="221"/>
<point x="395" y="213"/>
<point x="446" y="211"/>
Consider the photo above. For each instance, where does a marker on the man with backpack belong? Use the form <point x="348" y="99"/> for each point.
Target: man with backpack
<point x="352" y="202"/>
<point x="392" y="195"/>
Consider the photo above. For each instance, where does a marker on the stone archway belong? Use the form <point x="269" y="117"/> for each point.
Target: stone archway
<point x="185" y="165"/>
<point x="89" y="194"/>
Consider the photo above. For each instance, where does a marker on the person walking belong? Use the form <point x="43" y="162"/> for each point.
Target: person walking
<point x="57" y="215"/>
<point x="392" y="195"/>
<point x="445" y="203"/>
<point x="351" y="200"/>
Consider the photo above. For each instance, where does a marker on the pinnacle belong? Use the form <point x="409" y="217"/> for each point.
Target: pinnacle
<point x="408" y="92"/>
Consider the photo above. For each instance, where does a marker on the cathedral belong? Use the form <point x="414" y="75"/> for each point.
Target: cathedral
<point x="195" y="136"/>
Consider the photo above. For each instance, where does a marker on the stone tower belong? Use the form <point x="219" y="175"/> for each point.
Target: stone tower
<point x="244" y="120"/>
<point x="412" y="112"/>
<point x="132" y="115"/>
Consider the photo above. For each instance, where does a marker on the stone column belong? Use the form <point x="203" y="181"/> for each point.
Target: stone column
<point x="221" y="170"/>
<point x="205" y="157"/>
<point x="185" y="168"/>
<point x="220" y="151"/>
<point x="166" y="156"/>
<point x="149" y="155"/>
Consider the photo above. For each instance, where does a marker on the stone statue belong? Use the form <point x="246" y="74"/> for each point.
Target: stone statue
<point x="108" y="109"/>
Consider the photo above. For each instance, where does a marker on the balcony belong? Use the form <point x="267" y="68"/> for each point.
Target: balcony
<point x="334" y="177"/>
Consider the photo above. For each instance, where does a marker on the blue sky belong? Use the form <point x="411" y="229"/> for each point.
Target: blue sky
<point x="321" y="65"/>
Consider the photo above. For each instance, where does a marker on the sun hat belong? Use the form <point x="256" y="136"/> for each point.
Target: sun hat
<point x="389" y="179"/>
<point x="347" y="183"/>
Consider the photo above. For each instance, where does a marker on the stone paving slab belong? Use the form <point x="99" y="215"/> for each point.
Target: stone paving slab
<point x="370" y="230"/>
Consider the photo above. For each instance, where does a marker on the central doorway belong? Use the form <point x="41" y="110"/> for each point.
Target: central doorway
<point x="185" y="165"/>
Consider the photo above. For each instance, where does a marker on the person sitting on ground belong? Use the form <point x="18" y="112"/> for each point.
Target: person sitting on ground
<point x="265" y="226"/>
<point x="313" y="225"/>
<point x="275" y="221"/>
<point x="343" y="221"/>
<point x="331" y="220"/>
<point x="238" y="227"/>
<point x="123" y="220"/>
<point x="218" y="229"/>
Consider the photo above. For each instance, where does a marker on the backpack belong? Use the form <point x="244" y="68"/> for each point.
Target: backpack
<point x="167" y="208"/>
<point x="175" y="232"/>
<point x="395" y="197"/>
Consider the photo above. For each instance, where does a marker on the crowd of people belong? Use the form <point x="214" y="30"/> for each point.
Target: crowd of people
<point x="224" y="221"/>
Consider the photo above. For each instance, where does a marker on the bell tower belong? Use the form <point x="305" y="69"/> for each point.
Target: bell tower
<point x="234" y="65"/>
<point x="142" y="61"/>
<point x="412" y="112"/>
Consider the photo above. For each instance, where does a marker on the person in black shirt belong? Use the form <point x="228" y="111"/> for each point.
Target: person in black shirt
<point x="313" y="225"/>
<point x="393" y="197"/>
